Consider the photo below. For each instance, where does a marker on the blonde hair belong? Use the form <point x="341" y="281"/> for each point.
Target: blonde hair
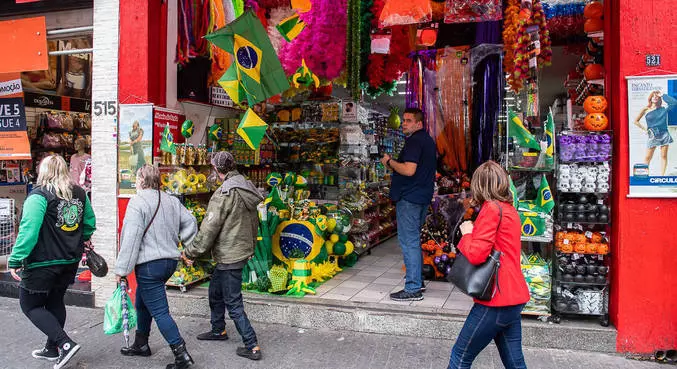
<point x="490" y="182"/>
<point x="149" y="176"/>
<point x="53" y="175"/>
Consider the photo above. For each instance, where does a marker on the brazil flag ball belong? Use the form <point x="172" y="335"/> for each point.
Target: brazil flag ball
<point x="187" y="128"/>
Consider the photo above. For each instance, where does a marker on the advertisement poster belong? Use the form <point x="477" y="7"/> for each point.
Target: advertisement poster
<point x="162" y="117"/>
<point x="135" y="144"/>
<point x="67" y="75"/>
<point x="14" y="144"/>
<point x="652" y="115"/>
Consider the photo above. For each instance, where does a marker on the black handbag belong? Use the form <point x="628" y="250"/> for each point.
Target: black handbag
<point x="477" y="281"/>
<point x="96" y="263"/>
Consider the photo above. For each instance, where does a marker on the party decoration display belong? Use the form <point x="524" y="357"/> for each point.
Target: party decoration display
<point x="167" y="142"/>
<point x="305" y="77"/>
<point x="215" y="132"/>
<point x="595" y="104"/>
<point x="596" y="122"/>
<point x="467" y="11"/>
<point x="252" y="129"/>
<point x="187" y="128"/>
<point x="326" y="24"/>
<point x="520" y="133"/>
<point x="584" y="148"/>
<point x="256" y="73"/>
<point x="584" y="177"/>
<point x="291" y="27"/>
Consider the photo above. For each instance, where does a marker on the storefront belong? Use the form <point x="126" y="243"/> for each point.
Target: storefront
<point x="54" y="106"/>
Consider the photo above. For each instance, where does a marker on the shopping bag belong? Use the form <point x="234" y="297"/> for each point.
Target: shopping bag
<point x="113" y="317"/>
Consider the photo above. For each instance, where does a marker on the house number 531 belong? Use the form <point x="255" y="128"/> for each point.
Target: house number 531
<point x="105" y="108"/>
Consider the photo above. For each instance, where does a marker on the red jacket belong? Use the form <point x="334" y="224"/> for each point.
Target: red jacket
<point x="476" y="247"/>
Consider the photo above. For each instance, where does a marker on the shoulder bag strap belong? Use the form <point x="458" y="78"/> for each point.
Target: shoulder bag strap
<point x="159" y="196"/>
<point x="500" y="219"/>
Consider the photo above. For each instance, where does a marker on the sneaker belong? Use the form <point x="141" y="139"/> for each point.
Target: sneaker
<point x="406" y="296"/>
<point x="66" y="353"/>
<point x="211" y="336"/>
<point x="422" y="286"/>
<point x="50" y="354"/>
<point x="253" y="354"/>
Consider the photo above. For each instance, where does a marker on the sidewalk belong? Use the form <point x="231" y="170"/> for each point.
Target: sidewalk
<point x="283" y="347"/>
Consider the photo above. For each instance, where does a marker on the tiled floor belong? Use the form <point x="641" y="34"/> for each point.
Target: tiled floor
<point x="375" y="276"/>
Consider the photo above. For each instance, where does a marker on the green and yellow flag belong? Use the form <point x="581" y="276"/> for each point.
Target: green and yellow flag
<point x="544" y="198"/>
<point x="256" y="73"/>
<point x="531" y="224"/>
<point x="167" y="142"/>
<point x="521" y="134"/>
<point x="252" y="129"/>
<point x="515" y="195"/>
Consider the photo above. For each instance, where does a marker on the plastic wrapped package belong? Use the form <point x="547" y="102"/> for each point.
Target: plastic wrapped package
<point x="466" y="11"/>
<point x="539" y="283"/>
<point x="57" y="140"/>
<point x="398" y="12"/>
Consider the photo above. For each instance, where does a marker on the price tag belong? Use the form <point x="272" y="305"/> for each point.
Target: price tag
<point x="601" y="257"/>
<point x="566" y="242"/>
<point x="578" y="227"/>
<point x="570" y="225"/>
<point x="600" y="202"/>
<point x="588" y="234"/>
<point x="575" y="257"/>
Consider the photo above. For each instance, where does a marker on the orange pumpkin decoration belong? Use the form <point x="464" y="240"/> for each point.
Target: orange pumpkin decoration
<point x="593" y="25"/>
<point x="579" y="248"/>
<point x="596" y="237"/>
<point x="567" y="248"/>
<point x="594" y="71"/>
<point x="596" y="122"/>
<point x="602" y="249"/>
<point x="595" y="104"/>
<point x="594" y="9"/>
<point x="591" y="248"/>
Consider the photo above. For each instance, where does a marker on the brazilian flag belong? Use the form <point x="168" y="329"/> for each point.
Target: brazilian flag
<point x="256" y="73"/>
<point x="550" y="137"/>
<point x="167" y="142"/>
<point x="532" y="224"/>
<point x="520" y="133"/>
<point x="513" y="191"/>
<point x="544" y="198"/>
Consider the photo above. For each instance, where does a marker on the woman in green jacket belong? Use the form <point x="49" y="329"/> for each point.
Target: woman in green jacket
<point x="57" y="220"/>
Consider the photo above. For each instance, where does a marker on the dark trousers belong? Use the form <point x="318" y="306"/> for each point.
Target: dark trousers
<point x="503" y="325"/>
<point x="151" y="299"/>
<point x="45" y="307"/>
<point x="225" y="292"/>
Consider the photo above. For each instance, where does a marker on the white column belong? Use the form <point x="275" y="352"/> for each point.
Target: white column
<point x="104" y="140"/>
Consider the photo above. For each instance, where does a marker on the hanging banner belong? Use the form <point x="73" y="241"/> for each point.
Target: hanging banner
<point x="14" y="144"/>
<point x="24" y="45"/>
<point x="161" y="118"/>
<point x="652" y="115"/>
<point x="135" y="144"/>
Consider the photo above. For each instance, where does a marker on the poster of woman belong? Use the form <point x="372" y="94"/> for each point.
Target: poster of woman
<point x="135" y="145"/>
<point x="652" y="113"/>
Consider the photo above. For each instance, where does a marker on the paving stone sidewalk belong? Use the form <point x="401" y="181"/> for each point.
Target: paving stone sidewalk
<point x="283" y="347"/>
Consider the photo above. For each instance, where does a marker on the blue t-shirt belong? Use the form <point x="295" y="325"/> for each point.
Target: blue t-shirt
<point x="418" y="148"/>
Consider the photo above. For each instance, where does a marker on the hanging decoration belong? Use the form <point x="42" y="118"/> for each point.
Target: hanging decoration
<point x="565" y="20"/>
<point x="466" y="11"/>
<point x="511" y="22"/>
<point x="256" y="73"/>
<point x="252" y="129"/>
<point x="398" y="12"/>
<point x="276" y="15"/>
<point x="291" y="27"/>
<point x="220" y="58"/>
<point x="353" y="51"/>
<point x="383" y="71"/>
<point x="193" y="24"/>
<point x="326" y="25"/>
<point x="305" y="77"/>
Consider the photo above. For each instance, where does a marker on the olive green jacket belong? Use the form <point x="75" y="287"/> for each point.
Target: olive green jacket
<point x="230" y="226"/>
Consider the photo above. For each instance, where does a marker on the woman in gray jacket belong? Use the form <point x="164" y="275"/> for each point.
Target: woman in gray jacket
<point x="153" y="225"/>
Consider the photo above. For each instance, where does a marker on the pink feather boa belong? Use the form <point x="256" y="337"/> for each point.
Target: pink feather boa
<point x="322" y="43"/>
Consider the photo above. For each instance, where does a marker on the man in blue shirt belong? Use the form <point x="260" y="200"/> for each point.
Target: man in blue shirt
<point x="412" y="190"/>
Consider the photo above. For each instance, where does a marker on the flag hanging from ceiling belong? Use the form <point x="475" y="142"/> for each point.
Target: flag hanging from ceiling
<point x="256" y="73"/>
<point x="550" y="137"/>
<point x="252" y="129"/>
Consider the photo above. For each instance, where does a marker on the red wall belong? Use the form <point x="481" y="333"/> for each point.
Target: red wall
<point x="644" y="287"/>
<point x="142" y="62"/>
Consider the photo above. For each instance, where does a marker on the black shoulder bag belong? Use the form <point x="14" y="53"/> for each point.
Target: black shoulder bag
<point x="477" y="280"/>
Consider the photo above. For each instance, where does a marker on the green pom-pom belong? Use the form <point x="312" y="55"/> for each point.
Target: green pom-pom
<point x="339" y="248"/>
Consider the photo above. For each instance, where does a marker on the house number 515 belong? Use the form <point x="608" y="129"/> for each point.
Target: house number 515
<point x="105" y="108"/>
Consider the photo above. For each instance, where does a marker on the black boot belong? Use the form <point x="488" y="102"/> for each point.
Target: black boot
<point x="139" y="347"/>
<point x="182" y="359"/>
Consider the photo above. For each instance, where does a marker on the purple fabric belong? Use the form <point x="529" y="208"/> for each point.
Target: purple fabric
<point x="488" y="33"/>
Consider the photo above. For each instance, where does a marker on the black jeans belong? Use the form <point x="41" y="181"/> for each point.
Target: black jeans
<point x="151" y="299"/>
<point x="45" y="308"/>
<point x="225" y="292"/>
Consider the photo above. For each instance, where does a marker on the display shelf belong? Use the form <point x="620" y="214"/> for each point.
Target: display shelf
<point x="583" y="284"/>
<point x="570" y="223"/>
<point x="536" y="239"/>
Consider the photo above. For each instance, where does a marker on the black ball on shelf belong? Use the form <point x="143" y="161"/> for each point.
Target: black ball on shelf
<point x="580" y="217"/>
<point x="591" y="208"/>
<point x="579" y="278"/>
<point x="602" y="270"/>
<point x="580" y="208"/>
<point x="592" y="218"/>
<point x="603" y="209"/>
<point x="600" y="279"/>
<point x="569" y="217"/>
<point x="582" y="199"/>
<point x="603" y="218"/>
<point x="590" y="279"/>
<point x="581" y="269"/>
<point x="569" y="207"/>
<point x="570" y="269"/>
<point x="591" y="269"/>
<point x="568" y="278"/>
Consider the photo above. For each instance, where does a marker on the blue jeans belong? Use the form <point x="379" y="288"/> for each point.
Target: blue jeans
<point x="501" y="324"/>
<point x="410" y="219"/>
<point x="151" y="299"/>
<point x="225" y="292"/>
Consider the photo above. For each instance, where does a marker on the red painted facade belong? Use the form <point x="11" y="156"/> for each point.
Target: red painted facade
<point x="644" y="291"/>
<point x="644" y="287"/>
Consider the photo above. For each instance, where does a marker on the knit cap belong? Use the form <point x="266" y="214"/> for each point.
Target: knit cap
<point x="223" y="161"/>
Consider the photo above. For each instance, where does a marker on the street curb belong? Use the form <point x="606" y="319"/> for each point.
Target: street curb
<point x="318" y="313"/>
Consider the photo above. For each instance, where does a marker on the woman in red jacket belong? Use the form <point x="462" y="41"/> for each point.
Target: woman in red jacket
<point x="497" y="226"/>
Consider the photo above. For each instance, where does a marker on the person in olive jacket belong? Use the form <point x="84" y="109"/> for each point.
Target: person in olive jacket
<point x="229" y="232"/>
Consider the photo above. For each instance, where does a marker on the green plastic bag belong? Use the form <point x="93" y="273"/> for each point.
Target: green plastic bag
<point x="112" y="317"/>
